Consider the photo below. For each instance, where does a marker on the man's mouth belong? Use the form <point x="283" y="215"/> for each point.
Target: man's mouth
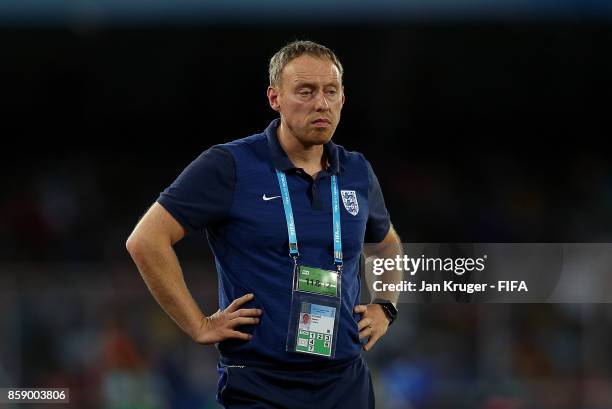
<point x="322" y="122"/>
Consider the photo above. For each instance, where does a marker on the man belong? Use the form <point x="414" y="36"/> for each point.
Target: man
<point x="286" y="213"/>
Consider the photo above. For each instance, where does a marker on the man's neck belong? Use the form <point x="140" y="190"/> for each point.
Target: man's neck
<point x="309" y="157"/>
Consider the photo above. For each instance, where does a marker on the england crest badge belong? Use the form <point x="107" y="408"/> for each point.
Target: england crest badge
<point x="349" y="198"/>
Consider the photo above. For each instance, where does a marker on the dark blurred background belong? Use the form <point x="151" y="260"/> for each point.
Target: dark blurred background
<point x="484" y="121"/>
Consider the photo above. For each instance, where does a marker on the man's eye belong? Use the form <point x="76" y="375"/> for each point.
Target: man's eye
<point x="332" y="92"/>
<point x="305" y="93"/>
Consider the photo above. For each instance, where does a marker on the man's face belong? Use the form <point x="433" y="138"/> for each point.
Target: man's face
<point x="309" y="99"/>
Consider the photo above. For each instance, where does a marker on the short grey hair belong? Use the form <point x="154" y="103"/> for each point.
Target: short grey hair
<point x="294" y="50"/>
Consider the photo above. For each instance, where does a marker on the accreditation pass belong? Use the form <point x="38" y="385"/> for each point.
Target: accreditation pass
<point x="316" y="329"/>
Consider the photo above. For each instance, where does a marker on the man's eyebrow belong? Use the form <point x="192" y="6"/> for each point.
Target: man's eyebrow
<point x="306" y="83"/>
<point x="302" y="83"/>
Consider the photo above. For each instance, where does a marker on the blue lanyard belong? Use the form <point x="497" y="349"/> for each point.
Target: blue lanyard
<point x="337" y="231"/>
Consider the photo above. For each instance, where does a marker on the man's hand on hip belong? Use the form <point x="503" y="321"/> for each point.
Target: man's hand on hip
<point x="222" y="324"/>
<point x="373" y="323"/>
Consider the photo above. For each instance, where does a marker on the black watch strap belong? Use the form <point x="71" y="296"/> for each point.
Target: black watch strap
<point x="388" y="308"/>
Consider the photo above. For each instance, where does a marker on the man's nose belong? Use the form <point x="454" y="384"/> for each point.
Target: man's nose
<point x="321" y="102"/>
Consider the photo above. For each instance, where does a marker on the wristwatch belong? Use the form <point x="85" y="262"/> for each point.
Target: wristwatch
<point x="388" y="308"/>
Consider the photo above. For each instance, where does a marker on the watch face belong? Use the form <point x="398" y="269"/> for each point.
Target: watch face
<point x="391" y="313"/>
<point x="388" y="308"/>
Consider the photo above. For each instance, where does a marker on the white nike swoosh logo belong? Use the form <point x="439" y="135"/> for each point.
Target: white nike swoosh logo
<point x="264" y="197"/>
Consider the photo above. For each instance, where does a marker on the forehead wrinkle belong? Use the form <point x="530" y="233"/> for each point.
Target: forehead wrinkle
<point x="304" y="70"/>
<point x="315" y="79"/>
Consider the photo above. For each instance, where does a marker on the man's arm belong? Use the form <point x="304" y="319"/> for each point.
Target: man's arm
<point x="374" y="322"/>
<point x="389" y="248"/>
<point x="151" y="247"/>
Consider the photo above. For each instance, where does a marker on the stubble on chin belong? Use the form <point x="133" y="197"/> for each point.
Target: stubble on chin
<point x="320" y="137"/>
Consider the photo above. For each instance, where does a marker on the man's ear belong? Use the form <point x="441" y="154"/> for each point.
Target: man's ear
<point x="343" y="95"/>
<point x="273" y="98"/>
